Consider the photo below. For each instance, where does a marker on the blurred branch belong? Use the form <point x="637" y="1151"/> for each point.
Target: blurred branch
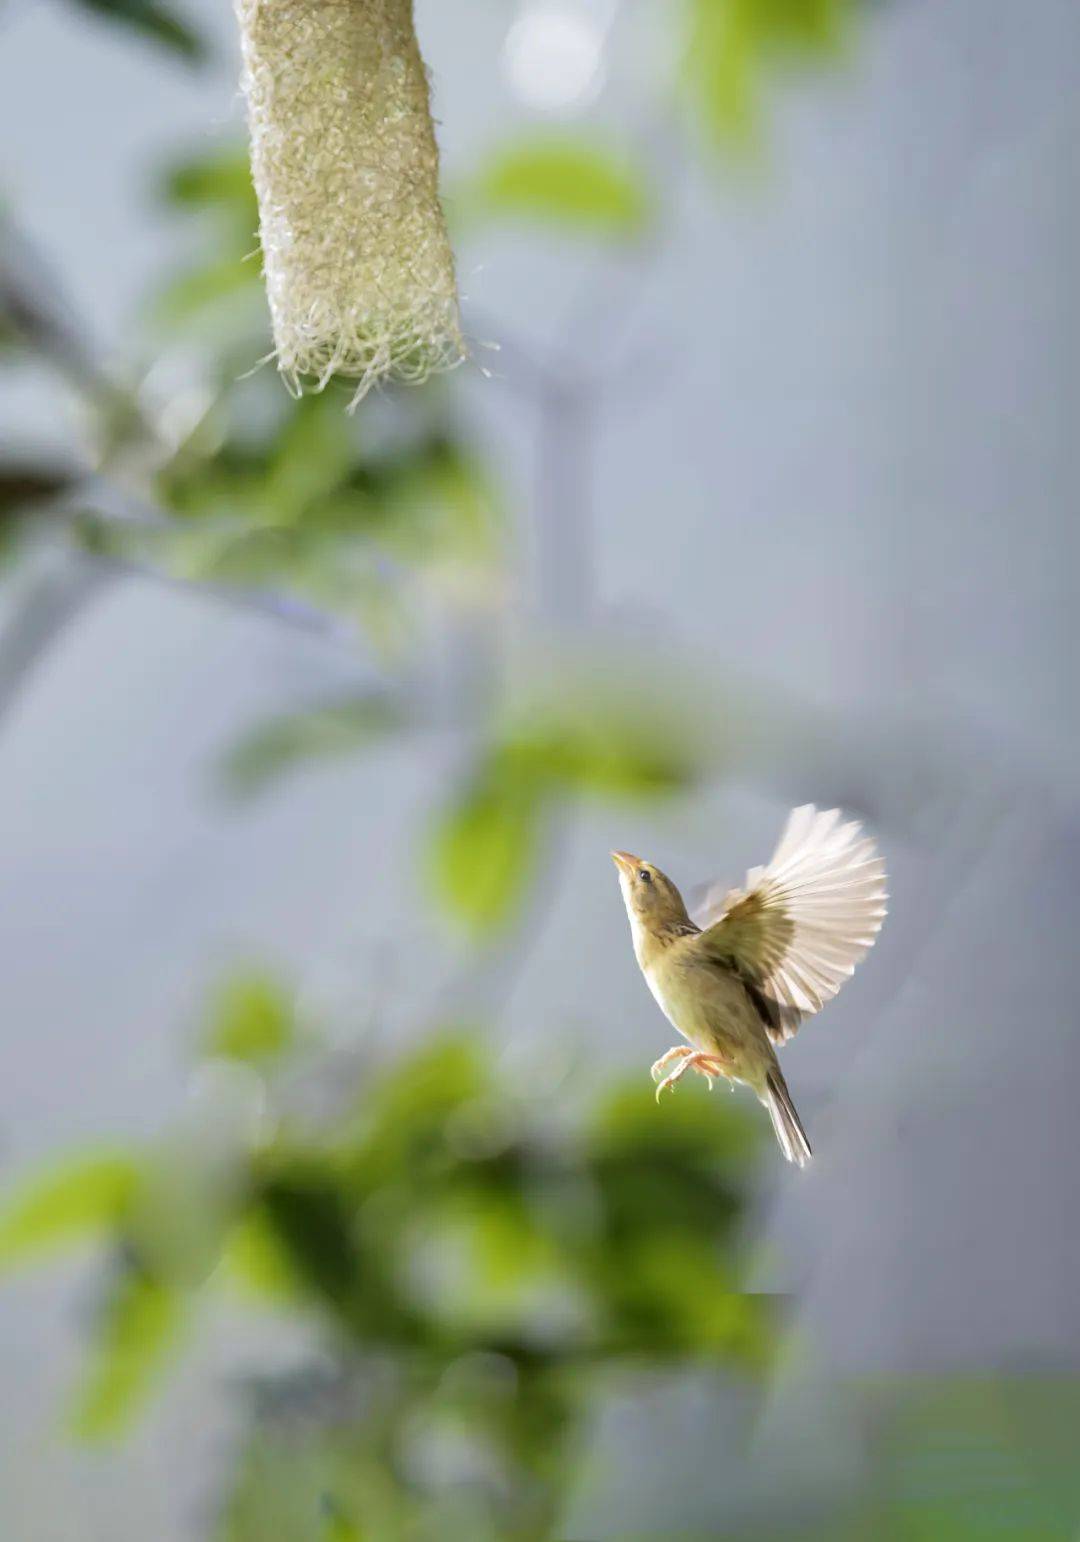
<point x="34" y="307"/>
<point x="32" y="302"/>
<point x="50" y="602"/>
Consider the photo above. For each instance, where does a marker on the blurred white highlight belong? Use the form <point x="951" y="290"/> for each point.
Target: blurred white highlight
<point x="554" y="53"/>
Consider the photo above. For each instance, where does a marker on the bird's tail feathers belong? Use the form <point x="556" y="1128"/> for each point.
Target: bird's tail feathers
<point x="785" y="1121"/>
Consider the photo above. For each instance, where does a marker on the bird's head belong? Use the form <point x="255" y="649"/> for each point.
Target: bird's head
<point x="652" y="901"/>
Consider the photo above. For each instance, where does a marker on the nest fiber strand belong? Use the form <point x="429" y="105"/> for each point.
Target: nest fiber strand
<point x="359" y="272"/>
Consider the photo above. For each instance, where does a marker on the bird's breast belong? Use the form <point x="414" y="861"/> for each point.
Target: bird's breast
<point x="708" y="1005"/>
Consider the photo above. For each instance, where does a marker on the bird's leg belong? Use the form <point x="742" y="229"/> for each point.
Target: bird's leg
<point x="709" y="1066"/>
<point x="665" y="1060"/>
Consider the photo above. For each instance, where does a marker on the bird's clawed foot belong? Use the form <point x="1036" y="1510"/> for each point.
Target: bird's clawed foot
<point x="708" y="1066"/>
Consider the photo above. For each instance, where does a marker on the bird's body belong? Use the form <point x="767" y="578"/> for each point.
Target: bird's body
<point x="708" y="1004"/>
<point x="762" y="959"/>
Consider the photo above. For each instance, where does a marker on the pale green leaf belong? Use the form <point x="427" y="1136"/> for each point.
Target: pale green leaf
<point x="85" y="1195"/>
<point x="252" y="1019"/>
<point x="218" y="180"/>
<point x="732" y="45"/>
<point x="255" y="1263"/>
<point x="484" y="848"/>
<point x="138" y="1331"/>
<point x="568" y="182"/>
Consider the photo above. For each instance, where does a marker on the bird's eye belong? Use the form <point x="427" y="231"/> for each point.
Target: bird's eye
<point x="644" y="875"/>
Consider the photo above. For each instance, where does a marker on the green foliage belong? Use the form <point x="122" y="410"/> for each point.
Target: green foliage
<point x="589" y="739"/>
<point x="139" y="1329"/>
<point x="251" y="1019"/>
<point x="219" y="182"/>
<point x="159" y="23"/>
<point x="484" y="845"/>
<point x="218" y="299"/>
<point x="472" y="1269"/>
<point x="82" y="1196"/>
<point x="274" y="495"/>
<point x="732" y="44"/>
<point x="563" y="181"/>
<point x="486" y="1274"/>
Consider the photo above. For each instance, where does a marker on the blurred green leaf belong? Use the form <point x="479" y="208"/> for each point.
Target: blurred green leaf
<point x="731" y="44"/>
<point x="595" y="740"/>
<point x="406" y="1112"/>
<point x="316" y="450"/>
<point x="312" y="1222"/>
<point x="484" y="846"/>
<point x="439" y="506"/>
<point x="256" y="1263"/>
<point x="252" y="1019"/>
<point x="339" y="1528"/>
<point x="301" y="738"/>
<point x="219" y="298"/>
<point x="219" y="180"/>
<point x="568" y="182"/>
<point x="603" y="756"/>
<point x="139" y="1329"/>
<point x="703" y="1131"/>
<point x="153" y="20"/>
<point x="206" y="288"/>
<point x="82" y="1195"/>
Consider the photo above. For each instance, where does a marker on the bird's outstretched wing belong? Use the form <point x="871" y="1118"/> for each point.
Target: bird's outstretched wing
<point x="797" y="930"/>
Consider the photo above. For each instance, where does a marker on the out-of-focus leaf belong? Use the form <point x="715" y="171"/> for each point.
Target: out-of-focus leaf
<point x="438" y="506"/>
<point x="339" y="1528"/>
<point x="700" y="1133"/>
<point x="154" y="20"/>
<point x="604" y="756"/>
<point x="569" y="182"/>
<point x="313" y="1225"/>
<point x="301" y="738"/>
<point x="467" y="497"/>
<point x="138" y="1331"/>
<point x="585" y="722"/>
<point x="408" y="1110"/>
<point x="315" y="451"/>
<point x="252" y="1019"/>
<point x="86" y="1195"/>
<point x="220" y="180"/>
<point x="223" y="291"/>
<point x="731" y="44"/>
<point x="255" y="1262"/>
<point x="210" y="287"/>
<point x="594" y="741"/>
<point x="484" y="846"/>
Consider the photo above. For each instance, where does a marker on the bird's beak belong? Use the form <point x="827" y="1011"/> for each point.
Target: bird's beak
<point x="625" y="862"/>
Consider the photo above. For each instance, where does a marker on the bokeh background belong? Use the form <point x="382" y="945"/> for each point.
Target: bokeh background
<point x="335" y="1202"/>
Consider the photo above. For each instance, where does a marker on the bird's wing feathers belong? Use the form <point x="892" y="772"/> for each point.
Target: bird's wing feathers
<point x="797" y="930"/>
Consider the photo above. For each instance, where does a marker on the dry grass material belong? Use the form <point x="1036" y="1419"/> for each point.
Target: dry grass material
<point x="359" y="271"/>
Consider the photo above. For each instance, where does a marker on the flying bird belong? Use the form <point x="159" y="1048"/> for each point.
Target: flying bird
<point x="741" y="974"/>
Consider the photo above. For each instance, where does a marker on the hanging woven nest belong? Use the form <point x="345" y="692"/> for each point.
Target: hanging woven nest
<point x="359" y="271"/>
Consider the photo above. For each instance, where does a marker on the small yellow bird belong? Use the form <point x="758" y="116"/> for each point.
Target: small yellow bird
<point x="742" y="973"/>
